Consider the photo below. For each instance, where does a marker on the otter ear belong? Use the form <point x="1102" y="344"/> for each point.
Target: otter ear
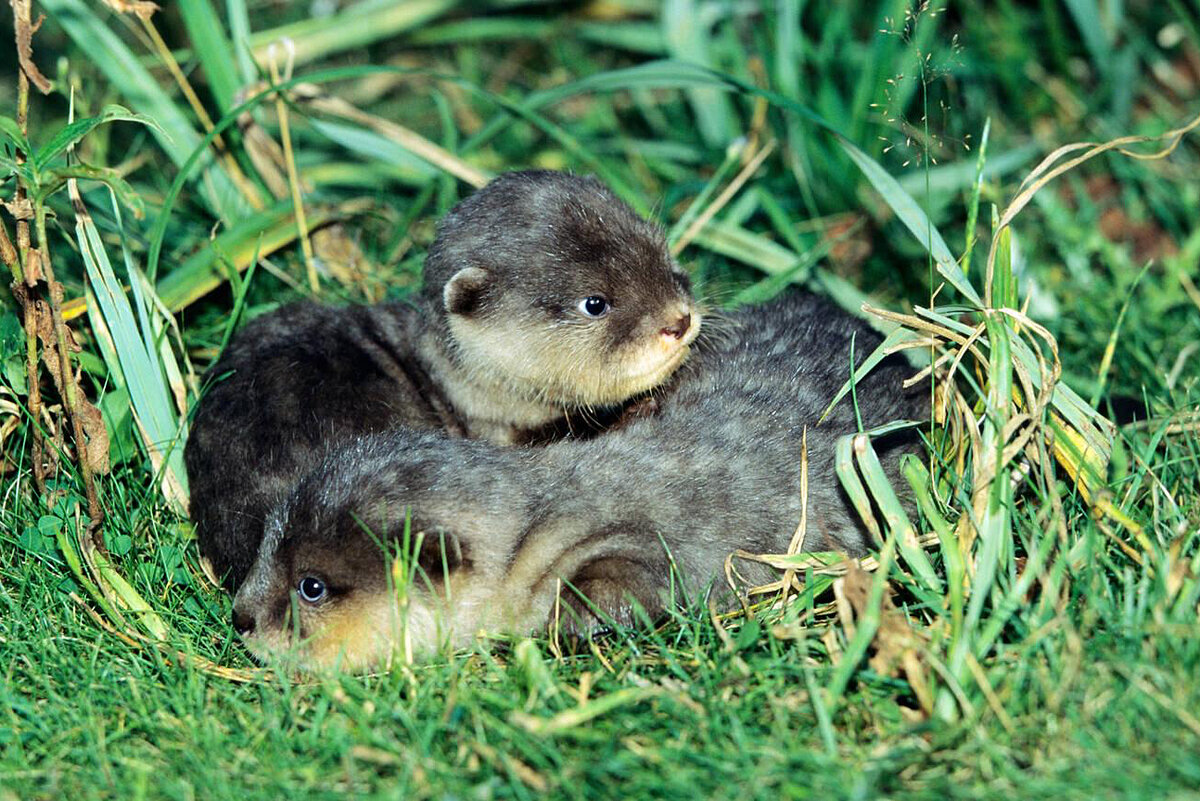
<point x="464" y="292"/>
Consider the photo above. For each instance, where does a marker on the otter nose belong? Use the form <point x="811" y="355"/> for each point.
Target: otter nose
<point x="243" y="623"/>
<point x="678" y="328"/>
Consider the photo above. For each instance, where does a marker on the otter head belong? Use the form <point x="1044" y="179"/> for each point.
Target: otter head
<point x="555" y="288"/>
<point x="348" y="575"/>
<point x="355" y="601"/>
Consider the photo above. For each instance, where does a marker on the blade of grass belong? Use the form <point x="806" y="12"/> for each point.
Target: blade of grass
<point x="700" y="202"/>
<point x="852" y="484"/>
<point x="239" y="37"/>
<point x="921" y="482"/>
<point x="75" y="131"/>
<point x="137" y="360"/>
<point x="262" y="233"/>
<point x="866" y="626"/>
<point x="899" y="527"/>
<point x="973" y="204"/>
<point x="687" y="28"/>
<point x="211" y="48"/>
<point x="356" y="26"/>
<point x="174" y="131"/>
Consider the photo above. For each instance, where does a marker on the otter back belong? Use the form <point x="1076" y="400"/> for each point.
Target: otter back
<point x="715" y="470"/>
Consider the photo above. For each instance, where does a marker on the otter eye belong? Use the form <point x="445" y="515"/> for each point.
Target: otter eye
<point x="594" y="306"/>
<point x="311" y="589"/>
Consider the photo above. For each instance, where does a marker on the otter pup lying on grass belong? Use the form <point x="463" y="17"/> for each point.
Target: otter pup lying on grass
<point x="543" y="294"/>
<point x="717" y="469"/>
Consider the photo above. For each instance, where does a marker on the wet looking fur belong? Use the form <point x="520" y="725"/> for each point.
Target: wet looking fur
<point x="715" y="469"/>
<point x="544" y="296"/>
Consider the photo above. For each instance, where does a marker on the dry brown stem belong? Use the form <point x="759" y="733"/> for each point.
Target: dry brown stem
<point x="40" y="297"/>
<point x="24" y="267"/>
<point x="139" y="8"/>
<point x="25" y="29"/>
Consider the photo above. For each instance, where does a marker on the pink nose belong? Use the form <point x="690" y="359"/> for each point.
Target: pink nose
<point x="678" y="328"/>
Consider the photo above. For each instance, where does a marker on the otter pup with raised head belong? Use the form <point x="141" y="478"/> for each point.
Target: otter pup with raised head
<point x="715" y="470"/>
<point x="543" y="294"/>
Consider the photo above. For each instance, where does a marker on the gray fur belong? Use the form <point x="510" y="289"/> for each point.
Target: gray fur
<point x="716" y="469"/>
<point x="509" y="265"/>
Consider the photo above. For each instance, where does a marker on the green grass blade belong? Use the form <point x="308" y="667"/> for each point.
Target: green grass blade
<point x="356" y="26"/>
<point x="1004" y="288"/>
<point x="897" y="337"/>
<point x="967" y="175"/>
<point x="914" y="218"/>
<point x="12" y="132"/>
<point x="852" y="484"/>
<point x="211" y="48"/>
<point x="174" y="132"/>
<point x="137" y="362"/>
<point x="374" y="146"/>
<point x="75" y="131"/>
<point x="899" y="527"/>
<point x="264" y="232"/>
<point x="1089" y="20"/>
<point x="866" y="626"/>
<point x="798" y="273"/>
<point x="239" y="37"/>
<point x="921" y="483"/>
<point x="700" y="202"/>
<point x="976" y="188"/>
<point x="687" y="28"/>
<point x="746" y="247"/>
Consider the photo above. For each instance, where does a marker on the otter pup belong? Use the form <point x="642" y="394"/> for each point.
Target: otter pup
<point x="716" y="469"/>
<point x="544" y="294"/>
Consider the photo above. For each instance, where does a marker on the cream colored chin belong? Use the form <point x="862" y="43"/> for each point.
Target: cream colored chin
<point x="370" y="633"/>
<point x="657" y="361"/>
<point x="648" y="376"/>
<point x="268" y="648"/>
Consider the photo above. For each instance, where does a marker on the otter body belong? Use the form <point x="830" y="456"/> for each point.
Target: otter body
<point x="716" y="469"/>
<point x="544" y="295"/>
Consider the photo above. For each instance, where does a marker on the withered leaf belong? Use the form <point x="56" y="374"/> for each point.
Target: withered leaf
<point x="143" y="10"/>
<point x="25" y="31"/>
<point x="96" y="435"/>
<point x="897" y="645"/>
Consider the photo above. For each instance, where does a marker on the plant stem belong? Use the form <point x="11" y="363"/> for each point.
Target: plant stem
<point x="67" y="385"/>
<point x="249" y="191"/>
<point x="294" y="180"/>
<point x="25" y="271"/>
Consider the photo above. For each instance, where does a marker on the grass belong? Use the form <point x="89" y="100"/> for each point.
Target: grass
<point x="1045" y="644"/>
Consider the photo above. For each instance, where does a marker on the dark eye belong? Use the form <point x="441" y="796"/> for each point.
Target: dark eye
<point x="594" y="306"/>
<point x="311" y="589"/>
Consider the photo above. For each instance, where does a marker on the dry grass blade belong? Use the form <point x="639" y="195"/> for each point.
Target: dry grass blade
<point x="1185" y="422"/>
<point x="722" y="199"/>
<point x="584" y="712"/>
<point x="289" y="160"/>
<point x="1048" y="170"/>
<point x="796" y="545"/>
<point x="144" y="12"/>
<point x="435" y="154"/>
<point x="135" y="639"/>
<point x="25" y="29"/>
